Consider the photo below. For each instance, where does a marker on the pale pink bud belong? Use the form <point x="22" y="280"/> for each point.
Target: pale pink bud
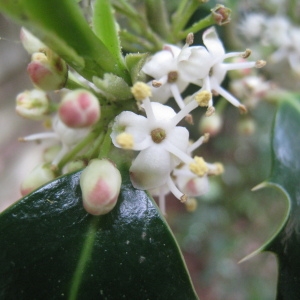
<point x="32" y="104"/>
<point x="30" y="42"/>
<point x="40" y="175"/>
<point x="212" y="124"/>
<point x="79" y="109"/>
<point x="100" y="184"/>
<point x="195" y="186"/>
<point x="47" y="73"/>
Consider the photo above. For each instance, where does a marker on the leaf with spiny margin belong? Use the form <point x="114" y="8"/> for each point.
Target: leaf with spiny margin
<point x="62" y="27"/>
<point x="285" y="175"/>
<point x="51" y="248"/>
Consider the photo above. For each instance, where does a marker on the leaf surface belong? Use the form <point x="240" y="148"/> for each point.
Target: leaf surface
<point x="51" y="248"/>
<point x="285" y="175"/>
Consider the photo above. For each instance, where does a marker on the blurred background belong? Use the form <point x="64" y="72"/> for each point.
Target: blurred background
<point x="231" y="221"/>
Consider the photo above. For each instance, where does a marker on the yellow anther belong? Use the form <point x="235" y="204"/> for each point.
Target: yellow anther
<point x="203" y="98"/>
<point x="125" y="140"/>
<point x="199" y="166"/>
<point x="191" y="204"/>
<point x="141" y="91"/>
<point x="218" y="169"/>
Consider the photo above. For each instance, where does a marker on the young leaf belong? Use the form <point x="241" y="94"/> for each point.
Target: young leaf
<point x="61" y="26"/>
<point x="285" y="175"/>
<point x="105" y="27"/>
<point x="52" y="248"/>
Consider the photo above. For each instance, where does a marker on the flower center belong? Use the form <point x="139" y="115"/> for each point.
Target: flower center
<point x="158" y="135"/>
<point x="172" y="76"/>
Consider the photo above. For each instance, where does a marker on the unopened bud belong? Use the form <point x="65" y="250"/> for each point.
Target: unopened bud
<point x="100" y="184"/>
<point x="79" y="108"/>
<point x="221" y="14"/>
<point x="47" y="72"/>
<point x="193" y="187"/>
<point x="36" y="178"/>
<point x="211" y="124"/>
<point x="33" y="104"/>
<point x="30" y="42"/>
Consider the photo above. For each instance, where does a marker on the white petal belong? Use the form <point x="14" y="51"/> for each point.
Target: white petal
<point x="213" y="43"/>
<point x="131" y="123"/>
<point x="151" y="168"/>
<point x="194" y="63"/>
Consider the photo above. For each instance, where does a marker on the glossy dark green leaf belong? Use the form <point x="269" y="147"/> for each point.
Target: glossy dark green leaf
<point x="286" y="176"/>
<point x="52" y="249"/>
<point x="63" y="28"/>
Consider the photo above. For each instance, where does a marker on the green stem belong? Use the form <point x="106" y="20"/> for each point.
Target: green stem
<point x="157" y="17"/>
<point x="95" y="147"/>
<point x="203" y="23"/>
<point x="73" y="83"/>
<point x="84" y="258"/>
<point x="179" y="21"/>
<point x="106" y="145"/>
<point x="132" y="39"/>
<point x="70" y="155"/>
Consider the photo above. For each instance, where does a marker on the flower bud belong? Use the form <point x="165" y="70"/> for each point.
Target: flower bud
<point x="40" y="175"/>
<point x="79" y="109"/>
<point x="30" y="42"/>
<point x="193" y="186"/>
<point x="221" y="14"/>
<point x="212" y="124"/>
<point x="32" y="104"/>
<point x="47" y="72"/>
<point x="100" y="184"/>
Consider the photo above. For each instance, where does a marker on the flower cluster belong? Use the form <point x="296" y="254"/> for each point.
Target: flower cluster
<point x="164" y="163"/>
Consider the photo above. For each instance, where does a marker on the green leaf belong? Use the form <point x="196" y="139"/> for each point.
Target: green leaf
<point x="51" y="248"/>
<point x="61" y="26"/>
<point x="105" y="27"/>
<point x="285" y="175"/>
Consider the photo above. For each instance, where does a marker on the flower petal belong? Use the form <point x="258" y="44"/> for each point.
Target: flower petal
<point x="213" y="43"/>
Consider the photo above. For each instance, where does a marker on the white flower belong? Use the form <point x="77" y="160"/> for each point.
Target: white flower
<point x="68" y="137"/>
<point x="163" y="145"/>
<point x="168" y="82"/>
<point x="218" y="69"/>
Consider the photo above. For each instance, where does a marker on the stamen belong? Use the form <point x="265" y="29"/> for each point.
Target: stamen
<point x="141" y="91"/>
<point x="156" y="84"/>
<point x="216" y="169"/>
<point x="260" y="63"/>
<point x="246" y="54"/>
<point x="189" y="39"/>
<point x="239" y="66"/>
<point x="210" y="111"/>
<point x="125" y="140"/>
<point x="176" y="94"/>
<point x="175" y="191"/>
<point x="203" y="139"/>
<point x="227" y="96"/>
<point x="177" y="152"/>
<point x="199" y="166"/>
<point x="39" y="136"/>
<point x="203" y="98"/>
<point x="243" y="109"/>
<point x="183" y="113"/>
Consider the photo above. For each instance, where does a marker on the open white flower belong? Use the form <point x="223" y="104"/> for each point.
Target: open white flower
<point x="68" y="137"/>
<point x="218" y="69"/>
<point x="168" y="82"/>
<point x="163" y="145"/>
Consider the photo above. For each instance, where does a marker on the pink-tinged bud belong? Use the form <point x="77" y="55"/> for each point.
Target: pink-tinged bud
<point x="40" y="175"/>
<point x="33" y="105"/>
<point x="100" y="184"/>
<point x="221" y="14"/>
<point x="212" y="124"/>
<point x="47" y="72"/>
<point x="193" y="186"/>
<point x="30" y="42"/>
<point x="79" y="109"/>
